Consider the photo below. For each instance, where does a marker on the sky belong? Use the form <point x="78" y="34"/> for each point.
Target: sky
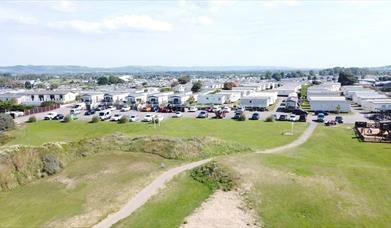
<point x="313" y="34"/>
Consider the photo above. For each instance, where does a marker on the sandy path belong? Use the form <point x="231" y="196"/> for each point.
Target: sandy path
<point x="143" y="196"/>
<point x="222" y="209"/>
<point x="302" y="139"/>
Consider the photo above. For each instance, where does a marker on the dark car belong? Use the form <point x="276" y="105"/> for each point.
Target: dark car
<point x="299" y="112"/>
<point x="339" y="119"/>
<point x="90" y="112"/>
<point x="324" y="113"/>
<point x="303" y="118"/>
<point x="255" y="116"/>
<point x="236" y="116"/>
<point x="59" y="117"/>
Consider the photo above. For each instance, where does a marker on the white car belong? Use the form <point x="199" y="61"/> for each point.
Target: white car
<point x="193" y="109"/>
<point x="147" y="118"/>
<point x="177" y="115"/>
<point x="111" y="108"/>
<point x="133" y="118"/>
<point x="116" y="117"/>
<point x="104" y="115"/>
<point x="226" y="109"/>
<point x="50" y="116"/>
<point x="75" y="111"/>
<point x="125" y="109"/>
<point x="292" y="118"/>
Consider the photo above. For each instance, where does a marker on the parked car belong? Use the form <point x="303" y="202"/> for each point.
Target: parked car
<point x="104" y="115"/>
<point x="193" y="109"/>
<point x="125" y="109"/>
<point x="226" y="109"/>
<point x="324" y="113"/>
<point x="255" y="116"/>
<point x="116" y="117"/>
<point x="209" y="109"/>
<point x="237" y="115"/>
<point x="177" y="115"/>
<point x="79" y="106"/>
<point x="202" y="115"/>
<point x="133" y="118"/>
<point x="147" y="118"/>
<point x="59" y="117"/>
<point x="90" y="112"/>
<point x="320" y="117"/>
<point x="292" y="118"/>
<point x="146" y="109"/>
<point x="50" y="116"/>
<point x="283" y="117"/>
<point x="339" y="119"/>
<point x="275" y="117"/>
<point x="303" y="118"/>
<point x="299" y="112"/>
<point x="112" y="108"/>
<point x="330" y="123"/>
<point x="75" y="111"/>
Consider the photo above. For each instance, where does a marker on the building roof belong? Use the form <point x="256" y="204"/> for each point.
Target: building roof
<point x="327" y="99"/>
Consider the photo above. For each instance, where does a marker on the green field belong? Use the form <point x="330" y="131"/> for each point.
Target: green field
<point x="254" y="134"/>
<point x="94" y="187"/>
<point x="333" y="180"/>
<point x="168" y="209"/>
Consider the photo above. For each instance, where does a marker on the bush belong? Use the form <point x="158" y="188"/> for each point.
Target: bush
<point x="213" y="176"/>
<point x="67" y="119"/>
<point x="242" y="117"/>
<point x="51" y="165"/>
<point x="32" y="119"/>
<point x="269" y="119"/>
<point x="124" y="119"/>
<point x="95" y="119"/>
<point x="6" y="122"/>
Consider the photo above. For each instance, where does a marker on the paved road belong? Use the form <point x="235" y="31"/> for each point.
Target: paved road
<point x="302" y="139"/>
<point x="143" y="196"/>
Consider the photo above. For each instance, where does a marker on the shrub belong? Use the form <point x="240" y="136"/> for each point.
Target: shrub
<point x="67" y="119"/>
<point x="51" y="165"/>
<point x="124" y="119"/>
<point x="269" y="119"/>
<point x="32" y="119"/>
<point x="95" y="119"/>
<point x="6" y="122"/>
<point x="213" y="176"/>
<point x="5" y="138"/>
<point x="242" y="117"/>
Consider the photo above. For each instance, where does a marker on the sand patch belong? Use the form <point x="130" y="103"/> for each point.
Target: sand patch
<point x="222" y="209"/>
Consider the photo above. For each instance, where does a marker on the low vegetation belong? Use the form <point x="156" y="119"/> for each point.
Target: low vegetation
<point x="333" y="180"/>
<point x="32" y="119"/>
<point x="213" y="176"/>
<point x="6" y="122"/>
<point x="95" y="119"/>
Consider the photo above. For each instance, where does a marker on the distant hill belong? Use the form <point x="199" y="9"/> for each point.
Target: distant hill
<point x="63" y="69"/>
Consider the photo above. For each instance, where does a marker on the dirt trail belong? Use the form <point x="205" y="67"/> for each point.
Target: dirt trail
<point x="142" y="197"/>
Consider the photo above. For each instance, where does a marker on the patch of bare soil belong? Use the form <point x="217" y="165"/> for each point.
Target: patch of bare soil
<point x="222" y="210"/>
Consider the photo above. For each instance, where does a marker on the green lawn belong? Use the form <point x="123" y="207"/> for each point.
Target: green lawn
<point x="255" y="134"/>
<point x="94" y="186"/>
<point x="333" y="180"/>
<point x="171" y="206"/>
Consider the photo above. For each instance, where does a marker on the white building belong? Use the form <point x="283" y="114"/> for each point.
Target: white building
<point x="39" y="96"/>
<point x="358" y="97"/>
<point x="286" y="89"/>
<point x="115" y="97"/>
<point x="136" y="98"/>
<point x="91" y="99"/>
<point x="258" y="100"/>
<point x="212" y="99"/>
<point x="329" y="104"/>
<point x="180" y="98"/>
<point x="231" y="96"/>
<point x="376" y="105"/>
<point x="18" y="98"/>
<point x="158" y="98"/>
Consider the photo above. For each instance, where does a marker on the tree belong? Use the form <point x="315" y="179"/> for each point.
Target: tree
<point x="6" y="122"/>
<point x="184" y="79"/>
<point x="28" y="85"/>
<point x="196" y="87"/>
<point x="229" y="85"/>
<point x="276" y="76"/>
<point x="103" y="81"/>
<point x="346" y="78"/>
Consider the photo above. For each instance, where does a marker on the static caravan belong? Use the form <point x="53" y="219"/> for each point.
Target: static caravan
<point x="18" y="98"/>
<point x="115" y="97"/>
<point x="92" y="99"/>
<point x="258" y="101"/>
<point x="157" y="99"/>
<point x="230" y="96"/>
<point x="37" y="97"/>
<point x="136" y="98"/>
<point x="376" y="105"/>
<point x="179" y="99"/>
<point x="212" y="99"/>
<point x="359" y="97"/>
<point x="329" y="104"/>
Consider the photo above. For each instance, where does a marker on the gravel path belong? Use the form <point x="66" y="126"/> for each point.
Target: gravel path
<point x="153" y="188"/>
<point x="302" y="139"/>
<point x="143" y="196"/>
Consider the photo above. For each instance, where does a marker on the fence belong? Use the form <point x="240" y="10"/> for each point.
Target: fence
<point x="41" y="109"/>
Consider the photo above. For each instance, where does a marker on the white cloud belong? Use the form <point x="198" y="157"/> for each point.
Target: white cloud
<point x="199" y="20"/>
<point x="8" y="16"/>
<point x="278" y="3"/>
<point x="120" y="23"/>
<point x="64" y="6"/>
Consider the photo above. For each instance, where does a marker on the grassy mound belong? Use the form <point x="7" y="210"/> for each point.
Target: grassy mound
<point x="22" y="164"/>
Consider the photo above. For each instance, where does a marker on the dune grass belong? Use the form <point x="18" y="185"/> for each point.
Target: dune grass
<point x="254" y="134"/>
<point x="168" y="209"/>
<point x="333" y="180"/>
<point x="93" y="186"/>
